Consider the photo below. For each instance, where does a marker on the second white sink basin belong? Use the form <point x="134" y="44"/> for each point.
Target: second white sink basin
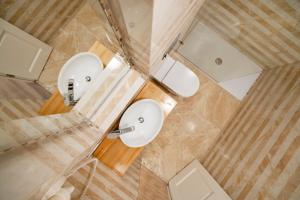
<point x="82" y="68"/>
<point x="147" y="117"/>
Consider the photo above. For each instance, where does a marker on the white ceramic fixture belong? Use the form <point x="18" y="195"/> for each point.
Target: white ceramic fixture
<point x="195" y="183"/>
<point x="147" y="117"/>
<point x="215" y="56"/>
<point x="177" y="78"/>
<point x="240" y="86"/>
<point x="82" y="68"/>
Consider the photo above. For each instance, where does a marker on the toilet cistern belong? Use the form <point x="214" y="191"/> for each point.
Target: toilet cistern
<point x="178" y="78"/>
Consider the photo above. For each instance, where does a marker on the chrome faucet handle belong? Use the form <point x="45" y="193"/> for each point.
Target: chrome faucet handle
<point x="66" y="99"/>
<point x="116" y="133"/>
<point x="69" y="96"/>
<point x="71" y="89"/>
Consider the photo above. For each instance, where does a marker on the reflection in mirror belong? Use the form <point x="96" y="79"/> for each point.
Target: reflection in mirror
<point x="132" y="20"/>
<point x="148" y="28"/>
<point x="105" y="31"/>
<point x="138" y="20"/>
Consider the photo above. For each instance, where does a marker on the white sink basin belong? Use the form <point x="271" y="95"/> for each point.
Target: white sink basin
<point x="82" y="68"/>
<point x="147" y="117"/>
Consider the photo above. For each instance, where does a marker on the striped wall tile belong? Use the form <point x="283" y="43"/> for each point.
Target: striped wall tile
<point x="66" y="140"/>
<point x="11" y="88"/>
<point x="152" y="187"/>
<point x="119" y="98"/>
<point x="109" y="95"/>
<point x="19" y="132"/>
<point x="20" y="98"/>
<point x="106" y="184"/>
<point x="266" y="31"/>
<point x="36" y="149"/>
<point x="257" y="155"/>
<point x="101" y="88"/>
<point x="42" y="19"/>
<point x="166" y="29"/>
<point x="19" y="108"/>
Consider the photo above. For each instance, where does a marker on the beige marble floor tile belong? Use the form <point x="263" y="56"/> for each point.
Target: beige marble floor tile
<point x="191" y="129"/>
<point x="179" y="144"/>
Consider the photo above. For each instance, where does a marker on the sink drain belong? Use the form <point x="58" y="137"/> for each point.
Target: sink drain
<point x="218" y="61"/>
<point x="88" y="78"/>
<point x="141" y="119"/>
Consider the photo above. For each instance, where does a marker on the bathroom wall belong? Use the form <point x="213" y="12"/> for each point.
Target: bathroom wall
<point x="20" y="101"/>
<point x="137" y="183"/>
<point x="151" y="27"/>
<point x="17" y="103"/>
<point x="34" y="156"/>
<point x="42" y="19"/>
<point x="169" y="19"/>
<point x="257" y="155"/>
<point x="10" y="89"/>
<point x="265" y="31"/>
<point x="106" y="184"/>
<point x="151" y="186"/>
<point x="137" y="16"/>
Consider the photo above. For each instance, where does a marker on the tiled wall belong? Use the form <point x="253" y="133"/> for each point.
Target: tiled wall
<point x="34" y="156"/>
<point x="20" y="99"/>
<point x="29" y="142"/>
<point x="138" y="21"/>
<point x="151" y="186"/>
<point x="10" y="88"/>
<point x="267" y="31"/>
<point x="42" y="19"/>
<point x="137" y="184"/>
<point x="167" y="24"/>
<point x="106" y="184"/>
<point x="257" y="155"/>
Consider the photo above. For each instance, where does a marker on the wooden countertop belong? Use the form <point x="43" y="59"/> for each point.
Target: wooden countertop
<point x="55" y="104"/>
<point x="118" y="156"/>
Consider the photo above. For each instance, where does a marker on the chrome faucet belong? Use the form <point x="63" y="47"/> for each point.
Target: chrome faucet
<point x="69" y="96"/>
<point x="115" y="134"/>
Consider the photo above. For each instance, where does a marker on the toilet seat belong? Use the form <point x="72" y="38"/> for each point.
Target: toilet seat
<point x="181" y="80"/>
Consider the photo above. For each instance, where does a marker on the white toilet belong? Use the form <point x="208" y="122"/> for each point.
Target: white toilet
<point x="177" y="78"/>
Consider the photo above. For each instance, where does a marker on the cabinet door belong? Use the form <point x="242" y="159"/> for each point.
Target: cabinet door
<point x="195" y="183"/>
<point x="21" y="54"/>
